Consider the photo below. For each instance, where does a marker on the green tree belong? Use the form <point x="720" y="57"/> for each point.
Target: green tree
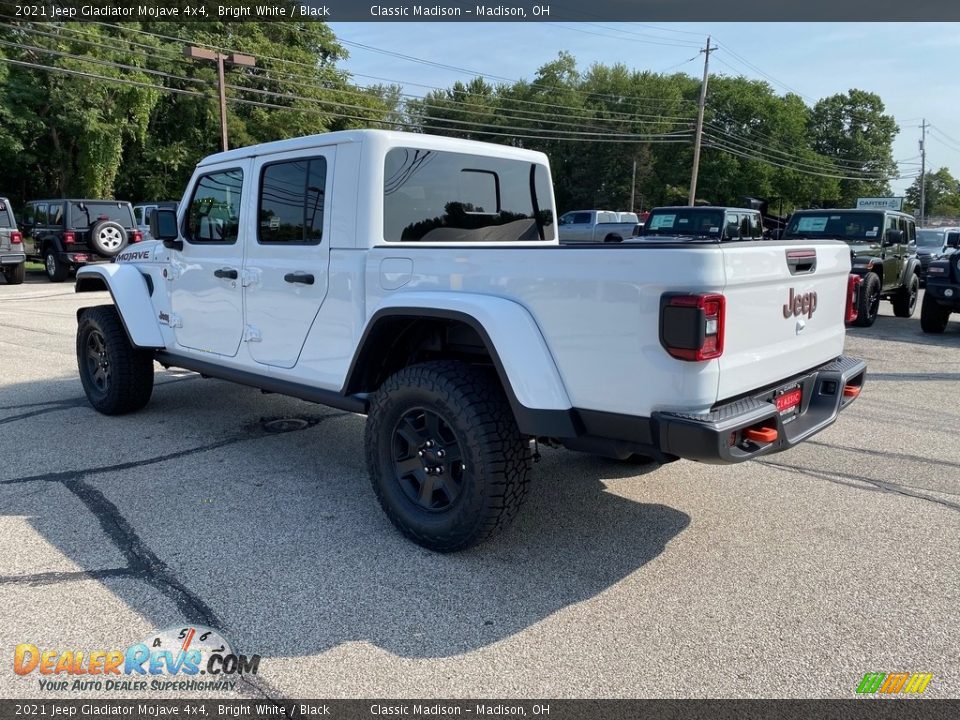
<point x="942" y="194"/>
<point x="852" y="129"/>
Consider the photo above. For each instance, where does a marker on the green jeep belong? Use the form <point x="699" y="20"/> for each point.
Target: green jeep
<point x="883" y="251"/>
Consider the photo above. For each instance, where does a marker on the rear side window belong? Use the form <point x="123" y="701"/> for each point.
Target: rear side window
<point x="434" y="196"/>
<point x="42" y="214"/>
<point x="213" y="215"/>
<point x="6" y="215"/>
<point x="292" y="202"/>
<point x="55" y="215"/>
<point x="580" y="219"/>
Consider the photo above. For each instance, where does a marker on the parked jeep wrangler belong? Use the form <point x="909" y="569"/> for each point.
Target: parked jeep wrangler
<point x="725" y="223"/>
<point x="65" y="234"/>
<point x="12" y="257"/>
<point x="883" y="252"/>
<point x="943" y="288"/>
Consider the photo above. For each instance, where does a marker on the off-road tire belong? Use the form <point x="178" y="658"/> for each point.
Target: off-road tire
<point x="868" y="306"/>
<point x="905" y="301"/>
<point x="57" y="270"/>
<point x="15" y="273"/>
<point x="933" y="316"/>
<point x="125" y="383"/>
<point x="495" y="457"/>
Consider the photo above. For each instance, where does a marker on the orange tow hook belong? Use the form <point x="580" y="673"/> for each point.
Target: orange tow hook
<point x="851" y="391"/>
<point x="761" y="435"/>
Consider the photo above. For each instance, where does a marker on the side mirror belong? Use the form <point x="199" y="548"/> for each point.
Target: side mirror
<point x="892" y="237"/>
<point x="953" y="240"/>
<point x="163" y="226"/>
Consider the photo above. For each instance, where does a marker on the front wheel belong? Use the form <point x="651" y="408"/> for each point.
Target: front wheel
<point x="117" y="377"/>
<point x="869" y="305"/>
<point x="933" y="316"/>
<point x="905" y="301"/>
<point x="446" y="459"/>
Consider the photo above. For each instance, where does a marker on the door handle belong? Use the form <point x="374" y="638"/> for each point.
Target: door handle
<point x="228" y="273"/>
<point x="299" y="277"/>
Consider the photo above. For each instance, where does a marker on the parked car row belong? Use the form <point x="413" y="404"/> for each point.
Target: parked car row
<point x="67" y="233"/>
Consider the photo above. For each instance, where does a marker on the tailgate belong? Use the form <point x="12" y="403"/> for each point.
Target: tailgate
<point x="785" y="311"/>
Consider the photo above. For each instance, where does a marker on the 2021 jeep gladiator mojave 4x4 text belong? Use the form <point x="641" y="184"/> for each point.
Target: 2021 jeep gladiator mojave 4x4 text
<point x="419" y="280"/>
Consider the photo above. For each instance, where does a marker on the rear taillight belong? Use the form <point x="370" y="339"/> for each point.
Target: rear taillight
<point x="69" y="238"/>
<point x="16" y="238"/>
<point x="853" y="293"/>
<point x="692" y="326"/>
<point x="137" y="236"/>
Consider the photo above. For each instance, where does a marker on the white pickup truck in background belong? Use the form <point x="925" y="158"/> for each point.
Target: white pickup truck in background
<point x="596" y="226"/>
<point x="419" y="280"/>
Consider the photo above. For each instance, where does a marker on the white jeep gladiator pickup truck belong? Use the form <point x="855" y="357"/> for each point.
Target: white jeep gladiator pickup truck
<point x="419" y="280"/>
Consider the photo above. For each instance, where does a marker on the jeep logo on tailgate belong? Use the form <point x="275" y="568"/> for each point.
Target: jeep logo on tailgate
<point x="797" y="304"/>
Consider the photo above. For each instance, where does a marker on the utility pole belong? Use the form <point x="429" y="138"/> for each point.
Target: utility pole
<point x="633" y="183"/>
<point x="923" y="173"/>
<point x="698" y="138"/>
<point x="199" y="53"/>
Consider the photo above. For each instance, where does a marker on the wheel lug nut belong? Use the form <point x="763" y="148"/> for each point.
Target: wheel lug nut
<point x="420" y="453"/>
<point x="440" y="453"/>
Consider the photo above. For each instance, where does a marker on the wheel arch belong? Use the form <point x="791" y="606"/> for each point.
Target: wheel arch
<point x="130" y="291"/>
<point x="406" y="328"/>
<point x="864" y="265"/>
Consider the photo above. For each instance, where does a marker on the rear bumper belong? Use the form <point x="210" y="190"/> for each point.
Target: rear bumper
<point x="718" y="437"/>
<point x="12" y="258"/>
<point x="82" y="258"/>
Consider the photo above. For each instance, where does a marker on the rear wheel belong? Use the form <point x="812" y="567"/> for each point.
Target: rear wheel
<point x="446" y="459"/>
<point x="869" y="304"/>
<point x="933" y="316"/>
<point x="15" y="273"/>
<point x="57" y="270"/>
<point x="116" y="376"/>
<point x="905" y="301"/>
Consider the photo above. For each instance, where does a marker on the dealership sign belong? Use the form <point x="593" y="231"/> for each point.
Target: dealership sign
<point x="881" y="203"/>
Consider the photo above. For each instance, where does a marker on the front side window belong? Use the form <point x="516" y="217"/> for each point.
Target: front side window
<point x="292" y="202"/>
<point x="29" y="214"/>
<point x="434" y="196"/>
<point x="213" y="215"/>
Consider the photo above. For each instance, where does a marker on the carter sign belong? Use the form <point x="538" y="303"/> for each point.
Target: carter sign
<point x="797" y="305"/>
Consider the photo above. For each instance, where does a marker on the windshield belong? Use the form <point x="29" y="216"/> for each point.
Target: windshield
<point x="850" y="226"/>
<point x="92" y="211"/>
<point x="681" y="221"/>
<point x="932" y="239"/>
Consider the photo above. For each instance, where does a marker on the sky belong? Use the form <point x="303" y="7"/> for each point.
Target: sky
<point x="914" y="67"/>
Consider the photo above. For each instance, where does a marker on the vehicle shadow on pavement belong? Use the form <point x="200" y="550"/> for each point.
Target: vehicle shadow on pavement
<point x="277" y="540"/>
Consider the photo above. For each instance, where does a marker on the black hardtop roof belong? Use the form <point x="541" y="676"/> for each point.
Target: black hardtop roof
<point x="83" y="200"/>
<point x="703" y="207"/>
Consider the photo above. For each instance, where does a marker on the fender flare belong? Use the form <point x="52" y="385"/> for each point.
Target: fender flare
<point x="859" y="266"/>
<point x="523" y="361"/>
<point x="131" y="296"/>
<point x="912" y="266"/>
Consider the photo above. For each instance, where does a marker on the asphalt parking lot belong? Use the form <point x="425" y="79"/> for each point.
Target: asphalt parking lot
<point x="791" y="576"/>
